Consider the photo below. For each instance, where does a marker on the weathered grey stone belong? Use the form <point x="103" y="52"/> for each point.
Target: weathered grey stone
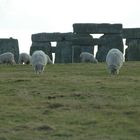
<point x="107" y="42"/>
<point x="45" y="37"/>
<point x="82" y="39"/>
<point x="66" y="36"/>
<point x="51" y="37"/>
<point x="112" y="41"/>
<point x="44" y="46"/>
<point x="91" y="28"/>
<point x="53" y="49"/>
<point x="10" y="45"/>
<point x="130" y="40"/>
<point x="77" y="50"/>
<point x="81" y="43"/>
<point x="70" y="45"/>
<point x="63" y="52"/>
<point x="102" y="53"/>
<point x="132" y="53"/>
<point x="131" y="33"/>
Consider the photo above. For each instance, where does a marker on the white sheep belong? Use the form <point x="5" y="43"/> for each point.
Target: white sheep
<point x="7" y="58"/>
<point x="24" y="58"/>
<point x="114" y="61"/>
<point x="88" y="57"/>
<point x="39" y="61"/>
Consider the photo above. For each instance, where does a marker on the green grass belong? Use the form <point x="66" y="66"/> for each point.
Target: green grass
<point x="70" y="101"/>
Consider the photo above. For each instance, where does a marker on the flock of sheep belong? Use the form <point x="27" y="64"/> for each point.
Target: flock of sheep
<point x="39" y="60"/>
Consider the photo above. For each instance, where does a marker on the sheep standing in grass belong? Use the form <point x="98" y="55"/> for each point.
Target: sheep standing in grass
<point x="88" y="57"/>
<point x="7" y="58"/>
<point x="24" y="58"/>
<point x="114" y="60"/>
<point x="39" y="61"/>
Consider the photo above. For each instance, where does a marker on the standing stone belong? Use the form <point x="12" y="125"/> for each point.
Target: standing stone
<point x="132" y="35"/>
<point x="10" y="45"/>
<point x="44" y="46"/>
<point x="101" y="53"/>
<point x="78" y="49"/>
<point x="63" y="52"/>
<point x="81" y="43"/>
<point x="133" y="50"/>
<point x="41" y="41"/>
<point x="107" y="42"/>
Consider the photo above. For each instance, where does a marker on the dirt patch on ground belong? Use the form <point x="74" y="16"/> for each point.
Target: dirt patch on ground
<point x="44" y="128"/>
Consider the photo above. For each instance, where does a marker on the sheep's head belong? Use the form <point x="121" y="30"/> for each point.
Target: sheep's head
<point x="113" y="70"/>
<point x="39" y="68"/>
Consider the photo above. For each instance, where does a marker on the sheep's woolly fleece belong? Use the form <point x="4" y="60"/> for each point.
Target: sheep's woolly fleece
<point x="114" y="61"/>
<point x="88" y="57"/>
<point x="24" y="58"/>
<point x="39" y="61"/>
<point x="7" y="58"/>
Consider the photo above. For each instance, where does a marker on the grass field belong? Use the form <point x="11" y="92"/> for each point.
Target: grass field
<point x="70" y="102"/>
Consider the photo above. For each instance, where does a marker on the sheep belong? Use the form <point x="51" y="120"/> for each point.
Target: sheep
<point x="114" y="61"/>
<point x="24" y="58"/>
<point x="88" y="57"/>
<point x="39" y="61"/>
<point x="7" y="58"/>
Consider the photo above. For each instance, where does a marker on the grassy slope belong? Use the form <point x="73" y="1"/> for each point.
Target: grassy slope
<point x="71" y="101"/>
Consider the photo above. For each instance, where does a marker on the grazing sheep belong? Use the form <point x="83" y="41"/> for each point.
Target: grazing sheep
<point x="114" y="60"/>
<point x="39" y="61"/>
<point x="88" y="57"/>
<point x="24" y="58"/>
<point x="7" y="58"/>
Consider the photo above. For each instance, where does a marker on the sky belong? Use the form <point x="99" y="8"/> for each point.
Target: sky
<point x="22" y="18"/>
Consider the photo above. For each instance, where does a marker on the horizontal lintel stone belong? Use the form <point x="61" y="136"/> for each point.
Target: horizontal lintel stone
<point x="51" y="37"/>
<point x="91" y="28"/>
<point x="131" y="33"/>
